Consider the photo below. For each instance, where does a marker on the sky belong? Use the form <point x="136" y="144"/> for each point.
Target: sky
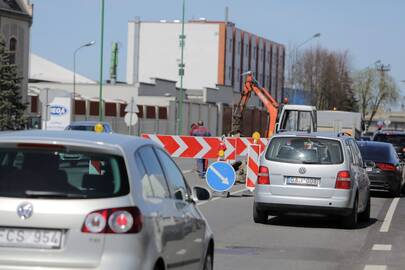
<point x="369" y="30"/>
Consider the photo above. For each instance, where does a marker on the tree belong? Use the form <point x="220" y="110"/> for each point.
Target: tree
<point x="374" y="89"/>
<point x="11" y="107"/>
<point x="327" y="76"/>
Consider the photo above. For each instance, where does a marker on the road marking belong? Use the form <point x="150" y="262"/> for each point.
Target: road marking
<point x="381" y="247"/>
<point x="187" y="171"/>
<point x="217" y="198"/>
<point x="224" y="180"/>
<point x="375" y="267"/>
<point x="385" y="227"/>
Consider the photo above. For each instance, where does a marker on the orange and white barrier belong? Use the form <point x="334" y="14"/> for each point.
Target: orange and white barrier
<point x="252" y="168"/>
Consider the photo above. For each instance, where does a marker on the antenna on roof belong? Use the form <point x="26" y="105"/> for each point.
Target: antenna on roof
<point x="226" y="14"/>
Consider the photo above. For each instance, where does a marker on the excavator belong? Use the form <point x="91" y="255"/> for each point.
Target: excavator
<point x="282" y="117"/>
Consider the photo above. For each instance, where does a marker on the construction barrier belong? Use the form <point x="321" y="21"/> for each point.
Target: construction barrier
<point x="252" y="168"/>
<point x="205" y="147"/>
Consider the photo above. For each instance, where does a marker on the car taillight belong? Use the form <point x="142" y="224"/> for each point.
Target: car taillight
<point x="114" y="220"/>
<point x="263" y="176"/>
<point x="386" y="167"/>
<point x="343" y="180"/>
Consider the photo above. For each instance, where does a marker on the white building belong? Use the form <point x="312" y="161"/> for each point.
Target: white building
<point x="15" y="25"/>
<point x="216" y="53"/>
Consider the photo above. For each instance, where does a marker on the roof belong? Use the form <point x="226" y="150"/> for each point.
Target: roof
<point x="91" y="139"/>
<point x="373" y="144"/>
<point x="42" y="69"/>
<point x="10" y="5"/>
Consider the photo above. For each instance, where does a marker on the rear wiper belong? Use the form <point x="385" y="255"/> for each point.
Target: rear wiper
<point x="310" y="162"/>
<point x="53" y="194"/>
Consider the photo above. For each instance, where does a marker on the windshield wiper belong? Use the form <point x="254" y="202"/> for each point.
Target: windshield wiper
<point x="53" y="194"/>
<point x="310" y="162"/>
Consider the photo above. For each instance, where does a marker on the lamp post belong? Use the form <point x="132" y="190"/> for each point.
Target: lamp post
<point x="88" y="44"/>
<point x="100" y="100"/>
<point x="181" y="73"/>
<point x="296" y="54"/>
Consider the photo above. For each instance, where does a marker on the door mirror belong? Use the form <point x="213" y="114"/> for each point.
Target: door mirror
<point x="369" y="164"/>
<point x="201" y="194"/>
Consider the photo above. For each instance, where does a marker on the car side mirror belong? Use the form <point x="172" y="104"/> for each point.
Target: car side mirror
<point x="369" y="164"/>
<point x="200" y="194"/>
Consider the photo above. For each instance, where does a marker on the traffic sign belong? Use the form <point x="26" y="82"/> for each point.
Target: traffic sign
<point x="131" y="119"/>
<point x="220" y="176"/>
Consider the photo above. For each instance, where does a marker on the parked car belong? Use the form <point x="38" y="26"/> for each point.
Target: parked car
<point x="89" y="126"/>
<point x="386" y="172"/>
<point x="396" y="138"/>
<point x="81" y="200"/>
<point x="312" y="173"/>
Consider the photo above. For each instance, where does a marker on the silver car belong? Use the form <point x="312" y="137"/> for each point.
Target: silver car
<point x="84" y="200"/>
<point x="312" y="173"/>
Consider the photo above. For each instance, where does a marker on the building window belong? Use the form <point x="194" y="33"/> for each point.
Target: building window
<point x="12" y="50"/>
<point x="94" y="110"/>
<point x="140" y="109"/>
<point x="163" y="113"/>
<point x="230" y="45"/>
<point x="239" y="47"/>
<point x="122" y="109"/>
<point x="80" y="107"/>
<point x="150" y="112"/>
<point x="110" y="109"/>
<point x="34" y="104"/>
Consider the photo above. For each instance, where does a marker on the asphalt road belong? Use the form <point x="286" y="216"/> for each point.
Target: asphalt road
<point x="302" y="241"/>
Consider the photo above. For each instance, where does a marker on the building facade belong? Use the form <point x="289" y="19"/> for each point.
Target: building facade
<point x="215" y="53"/>
<point x="15" y="25"/>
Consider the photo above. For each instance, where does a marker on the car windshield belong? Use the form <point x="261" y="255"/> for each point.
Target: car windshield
<point x="61" y="174"/>
<point x="305" y="150"/>
<point x="82" y="128"/>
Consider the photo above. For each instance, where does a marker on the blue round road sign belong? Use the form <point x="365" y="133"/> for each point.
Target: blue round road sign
<point x="220" y="176"/>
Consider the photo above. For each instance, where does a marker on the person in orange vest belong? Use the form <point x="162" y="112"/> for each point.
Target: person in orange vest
<point x="200" y="130"/>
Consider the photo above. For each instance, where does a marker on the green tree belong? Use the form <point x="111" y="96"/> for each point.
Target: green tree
<point x="11" y="106"/>
<point x="374" y="89"/>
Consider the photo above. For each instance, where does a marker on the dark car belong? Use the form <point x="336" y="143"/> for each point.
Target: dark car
<point x="396" y="138"/>
<point x="89" y="126"/>
<point x="384" y="168"/>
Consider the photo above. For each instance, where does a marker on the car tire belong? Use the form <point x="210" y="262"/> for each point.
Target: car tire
<point x="208" y="262"/>
<point x="350" y="221"/>
<point x="396" y="190"/>
<point x="365" y="215"/>
<point x="259" y="216"/>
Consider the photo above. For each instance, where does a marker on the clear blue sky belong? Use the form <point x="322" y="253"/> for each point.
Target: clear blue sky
<point x="368" y="29"/>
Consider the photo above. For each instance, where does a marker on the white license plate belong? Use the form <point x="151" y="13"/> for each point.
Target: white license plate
<point x="30" y="238"/>
<point x="369" y="169"/>
<point x="304" y="181"/>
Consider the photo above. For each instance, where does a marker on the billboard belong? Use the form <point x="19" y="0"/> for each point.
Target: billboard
<point x="56" y="109"/>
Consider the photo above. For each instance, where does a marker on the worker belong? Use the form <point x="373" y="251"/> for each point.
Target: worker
<point x="200" y="130"/>
<point x="193" y="126"/>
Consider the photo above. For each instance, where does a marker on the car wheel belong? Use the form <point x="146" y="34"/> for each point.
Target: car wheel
<point x="208" y="262"/>
<point x="396" y="190"/>
<point x="259" y="216"/>
<point x="350" y="221"/>
<point x="365" y="215"/>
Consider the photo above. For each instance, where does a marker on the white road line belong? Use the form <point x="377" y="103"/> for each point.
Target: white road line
<point x="187" y="171"/>
<point x="385" y="227"/>
<point x="217" y="198"/>
<point x="379" y="247"/>
<point x="375" y="267"/>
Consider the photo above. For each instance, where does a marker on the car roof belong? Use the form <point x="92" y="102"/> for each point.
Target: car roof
<point x="90" y="139"/>
<point x="325" y="135"/>
<point x="88" y="123"/>
<point x="390" y="132"/>
<point x="374" y="144"/>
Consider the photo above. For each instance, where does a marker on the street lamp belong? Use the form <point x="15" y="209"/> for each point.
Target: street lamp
<point x="296" y="53"/>
<point x="88" y="44"/>
<point x="181" y="73"/>
<point x="100" y="96"/>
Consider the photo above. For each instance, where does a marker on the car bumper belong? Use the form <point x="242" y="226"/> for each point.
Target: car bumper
<point x="276" y="209"/>
<point x="382" y="181"/>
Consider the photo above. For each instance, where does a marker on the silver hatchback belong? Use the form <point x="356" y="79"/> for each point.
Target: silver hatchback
<point x="84" y="200"/>
<point x="312" y="173"/>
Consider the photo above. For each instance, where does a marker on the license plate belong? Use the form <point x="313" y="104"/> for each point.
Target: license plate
<point x="302" y="181"/>
<point x="30" y="238"/>
<point x="369" y="169"/>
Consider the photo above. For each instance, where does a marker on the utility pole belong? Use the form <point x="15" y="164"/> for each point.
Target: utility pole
<point x="382" y="69"/>
<point x="181" y="73"/>
<point x="100" y="100"/>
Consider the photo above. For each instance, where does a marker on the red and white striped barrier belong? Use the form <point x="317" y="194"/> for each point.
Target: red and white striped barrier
<point x="205" y="147"/>
<point x="252" y="168"/>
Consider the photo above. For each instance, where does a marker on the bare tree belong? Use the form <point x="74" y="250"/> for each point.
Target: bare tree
<point x="374" y="89"/>
<point x="326" y="76"/>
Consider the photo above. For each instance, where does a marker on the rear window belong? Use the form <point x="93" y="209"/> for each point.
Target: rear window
<point x="41" y="173"/>
<point x="376" y="153"/>
<point x="305" y="150"/>
<point x="395" y="139"/>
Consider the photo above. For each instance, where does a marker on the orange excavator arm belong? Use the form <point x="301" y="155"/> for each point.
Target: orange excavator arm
<point x="251" y="85"/>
